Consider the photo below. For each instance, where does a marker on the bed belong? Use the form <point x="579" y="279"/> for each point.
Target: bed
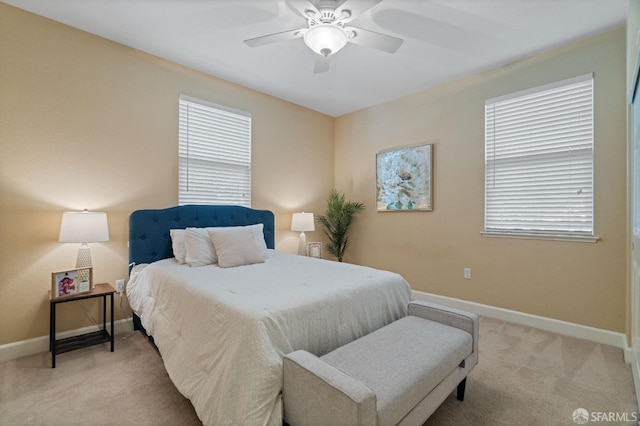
<point x="222" y="331"/>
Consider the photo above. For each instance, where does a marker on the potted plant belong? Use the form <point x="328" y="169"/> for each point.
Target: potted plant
<point x="336" y="222"/>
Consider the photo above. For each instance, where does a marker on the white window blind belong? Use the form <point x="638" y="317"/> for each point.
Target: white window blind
<point x="214" y="154"/>
<point x="539" y="160"/>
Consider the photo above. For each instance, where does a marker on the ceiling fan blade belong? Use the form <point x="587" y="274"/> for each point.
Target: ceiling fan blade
<point x="301" y="6"/>
<point x="355" y="7"/>
<point x="273" y="38"/>
<point x="375" y="40"/>
<point x="321" y="64"/>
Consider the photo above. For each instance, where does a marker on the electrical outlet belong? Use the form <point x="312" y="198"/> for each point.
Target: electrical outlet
<point x="119" y="286"/>
<point x="467" y="273"/>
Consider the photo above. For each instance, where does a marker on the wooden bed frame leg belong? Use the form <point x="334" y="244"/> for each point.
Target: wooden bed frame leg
<point x="460" y="391"/>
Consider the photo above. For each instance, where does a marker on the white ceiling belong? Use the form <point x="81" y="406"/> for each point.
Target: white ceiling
<point x="444" y="40"/>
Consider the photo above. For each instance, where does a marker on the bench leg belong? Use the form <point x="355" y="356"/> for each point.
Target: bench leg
<point x="460" y="391"/>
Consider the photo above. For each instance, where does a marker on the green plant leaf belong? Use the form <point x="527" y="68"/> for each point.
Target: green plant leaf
<point x="336" y="221"/>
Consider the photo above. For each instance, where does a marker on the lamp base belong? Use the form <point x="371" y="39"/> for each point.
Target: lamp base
<point x="302" y="245"/>
<point x="83" y="261"/>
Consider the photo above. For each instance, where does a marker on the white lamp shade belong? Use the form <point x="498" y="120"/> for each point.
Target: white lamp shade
<point x="84" y="227"/>
<point x="302" y="222"/>
<point x="325" y="39"/>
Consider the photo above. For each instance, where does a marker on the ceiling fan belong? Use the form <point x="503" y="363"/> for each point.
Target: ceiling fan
<point x="326" y="32"/>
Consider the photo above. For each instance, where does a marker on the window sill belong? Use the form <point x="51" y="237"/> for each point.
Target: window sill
<point x="535" y="236"/>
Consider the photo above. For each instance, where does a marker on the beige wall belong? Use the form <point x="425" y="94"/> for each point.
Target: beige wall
<point x="88" y="123"/>
<point x="584" y="283"/>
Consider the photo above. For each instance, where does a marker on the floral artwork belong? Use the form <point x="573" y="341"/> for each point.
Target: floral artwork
<point x="404" y="179"/>
<point x="67" y="283"/>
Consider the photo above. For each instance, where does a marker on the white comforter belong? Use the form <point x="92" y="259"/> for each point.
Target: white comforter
<point x="222" y="333"/>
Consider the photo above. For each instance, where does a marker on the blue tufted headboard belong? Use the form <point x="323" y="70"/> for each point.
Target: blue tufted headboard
<point x="149" y="238"/>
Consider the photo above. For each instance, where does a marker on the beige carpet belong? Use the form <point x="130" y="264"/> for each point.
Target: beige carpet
<point x="93" y="386"/>
<point x="525" y="377"/>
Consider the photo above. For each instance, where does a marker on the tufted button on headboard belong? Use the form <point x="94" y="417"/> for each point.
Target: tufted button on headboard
<point x="150" y="240"/>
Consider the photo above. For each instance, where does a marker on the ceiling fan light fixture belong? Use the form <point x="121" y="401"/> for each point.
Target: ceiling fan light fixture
<point x="325" y="39"/>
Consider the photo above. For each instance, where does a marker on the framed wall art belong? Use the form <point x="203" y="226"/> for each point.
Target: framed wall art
<point x="66" y="283"/>
<point x="404" y="179"/>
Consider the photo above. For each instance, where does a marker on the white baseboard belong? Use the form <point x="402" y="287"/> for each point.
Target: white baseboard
<point x="41" y="344"/>
<point x="612" y="338"/>
<point x="596" y="335"/>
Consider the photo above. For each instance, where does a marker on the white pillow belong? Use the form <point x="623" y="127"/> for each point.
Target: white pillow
<point x="177" y="243"/>
<point x="257" y="235"/>
<point x="199" y="247"/>
<point x="235" y="246"/>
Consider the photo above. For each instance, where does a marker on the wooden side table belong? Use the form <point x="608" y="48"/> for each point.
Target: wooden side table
<point x="83" y="340"/>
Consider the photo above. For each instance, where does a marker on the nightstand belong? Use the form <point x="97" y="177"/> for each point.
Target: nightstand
<point x="83" y="340"/>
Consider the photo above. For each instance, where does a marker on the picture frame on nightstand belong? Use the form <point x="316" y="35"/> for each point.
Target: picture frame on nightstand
<point x="315" y="250"/>
<point x="73" y="281"/>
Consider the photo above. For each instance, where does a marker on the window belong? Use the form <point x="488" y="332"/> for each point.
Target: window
<point x="539" y="161"/>
<point x="214" y="154"/>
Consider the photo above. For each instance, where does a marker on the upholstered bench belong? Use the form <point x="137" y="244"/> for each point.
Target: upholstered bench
<point x="399" y="374"/>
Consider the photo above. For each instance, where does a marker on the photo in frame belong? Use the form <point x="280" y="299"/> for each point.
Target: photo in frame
<point x="404" y="179"/>
<point x="73" y="281"/>
<point x="314" y="250"/>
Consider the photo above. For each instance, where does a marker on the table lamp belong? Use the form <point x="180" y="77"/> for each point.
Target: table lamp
<point x="84" y="227"/>
<point x="302" y="222"/>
